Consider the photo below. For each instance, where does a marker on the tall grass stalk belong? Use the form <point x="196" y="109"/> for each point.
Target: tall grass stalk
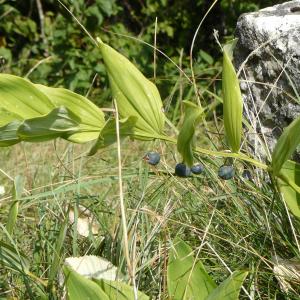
<point x="122" y="206"/>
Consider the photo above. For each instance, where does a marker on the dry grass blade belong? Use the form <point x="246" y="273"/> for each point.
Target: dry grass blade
<point x="287" y="272"/>
<point x="122" y="205"/>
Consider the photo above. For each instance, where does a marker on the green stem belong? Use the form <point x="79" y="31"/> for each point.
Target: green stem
<point x="240" y="156"/>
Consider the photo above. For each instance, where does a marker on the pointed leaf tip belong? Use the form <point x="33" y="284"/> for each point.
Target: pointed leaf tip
<point x="187" y="278"/>
<point x="22" y="102"/>
<point x="232" y="100"/>
<point x="99" y="40"/>
<point x="230" y="288"/>
<point x="135" y="95"/>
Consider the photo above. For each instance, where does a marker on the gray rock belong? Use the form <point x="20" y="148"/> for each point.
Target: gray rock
<point x="267" y="56"/>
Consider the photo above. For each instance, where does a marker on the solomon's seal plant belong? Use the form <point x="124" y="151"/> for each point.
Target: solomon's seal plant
<point x="135" y="95"/>
<point x="34" y="113"/>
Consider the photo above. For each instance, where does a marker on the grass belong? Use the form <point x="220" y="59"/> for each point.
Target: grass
<point x="238" y="224"/>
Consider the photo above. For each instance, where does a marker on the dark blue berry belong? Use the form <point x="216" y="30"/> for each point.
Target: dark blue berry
<point x="197" y="169"/>
<point x="152" y="158"/>
<point x="182" y="170"/>
<point x="226" y="172"/>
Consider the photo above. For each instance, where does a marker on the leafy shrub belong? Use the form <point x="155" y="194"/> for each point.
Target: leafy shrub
<point x="72" y="60"/>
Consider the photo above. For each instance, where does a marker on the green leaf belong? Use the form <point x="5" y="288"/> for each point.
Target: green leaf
<point x="232" y="100"/>
<point x="79" y="287"/>
<point x="7" y="116"/>
<point x="8" y="134"/>
<point x="13" y="211"/>
<point x="289" y="185"/>
<point x="106" y="6"/>
<point x="116" y="290"/>
<point x="230" y="288"/>
<point x="187" y="279"/>
<point x="108" y="133"/>
<point x="60" y="122"/>
<point x="135" y="94"/>
<point x="94" y="11"/>
<point x="185" y="141"/>
<point x="286" y="145"/>
<point x="91" y="117"/>
<point x="206" y="57"/>
<point x="22" y="98"/>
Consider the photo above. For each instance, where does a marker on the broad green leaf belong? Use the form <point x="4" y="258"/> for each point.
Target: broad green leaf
<point x="60" y="122"/>
<point x="7" y="116"/>
<point x="289" y="185"/>
<point x="20" y="97"/>
<point x="135" y="94"/>
<point x="232" y="100"/>
<point x="116" y="290"/>
<point x="9" y="122"/>
<point x="8" y="133"/>
<point x="13" y="211"/>
<point x="91" y="117"/>
<point x="185" y="141"/>
<point x="79" y="287"/>
<point x="21" y="100"/>
<point x="187" y="279"/>
<point x="230" y="288"/>
<point x="108" y="136"/>
<point x="286" y="145"/>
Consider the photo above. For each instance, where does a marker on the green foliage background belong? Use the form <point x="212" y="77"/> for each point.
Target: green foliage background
<point x="73" y="60"/>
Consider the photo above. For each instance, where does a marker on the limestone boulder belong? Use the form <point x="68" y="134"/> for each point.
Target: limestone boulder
<point x="267" y="57"/>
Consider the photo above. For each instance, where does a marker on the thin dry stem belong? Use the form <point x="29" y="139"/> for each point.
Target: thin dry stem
<point x="154" y="51"/>
<point x="122" y="206"/>
<point x="37" y="65"/>
<point x="42" y="24"/>
<point x="191" y="52"/>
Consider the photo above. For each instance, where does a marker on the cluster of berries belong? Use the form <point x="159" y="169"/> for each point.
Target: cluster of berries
<point x="225" y="172"/>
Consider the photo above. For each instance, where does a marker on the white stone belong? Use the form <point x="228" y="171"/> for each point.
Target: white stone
<point x="92" y="266"/>
<point x="268" y="41"/>
<point x="2" y="190"/>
